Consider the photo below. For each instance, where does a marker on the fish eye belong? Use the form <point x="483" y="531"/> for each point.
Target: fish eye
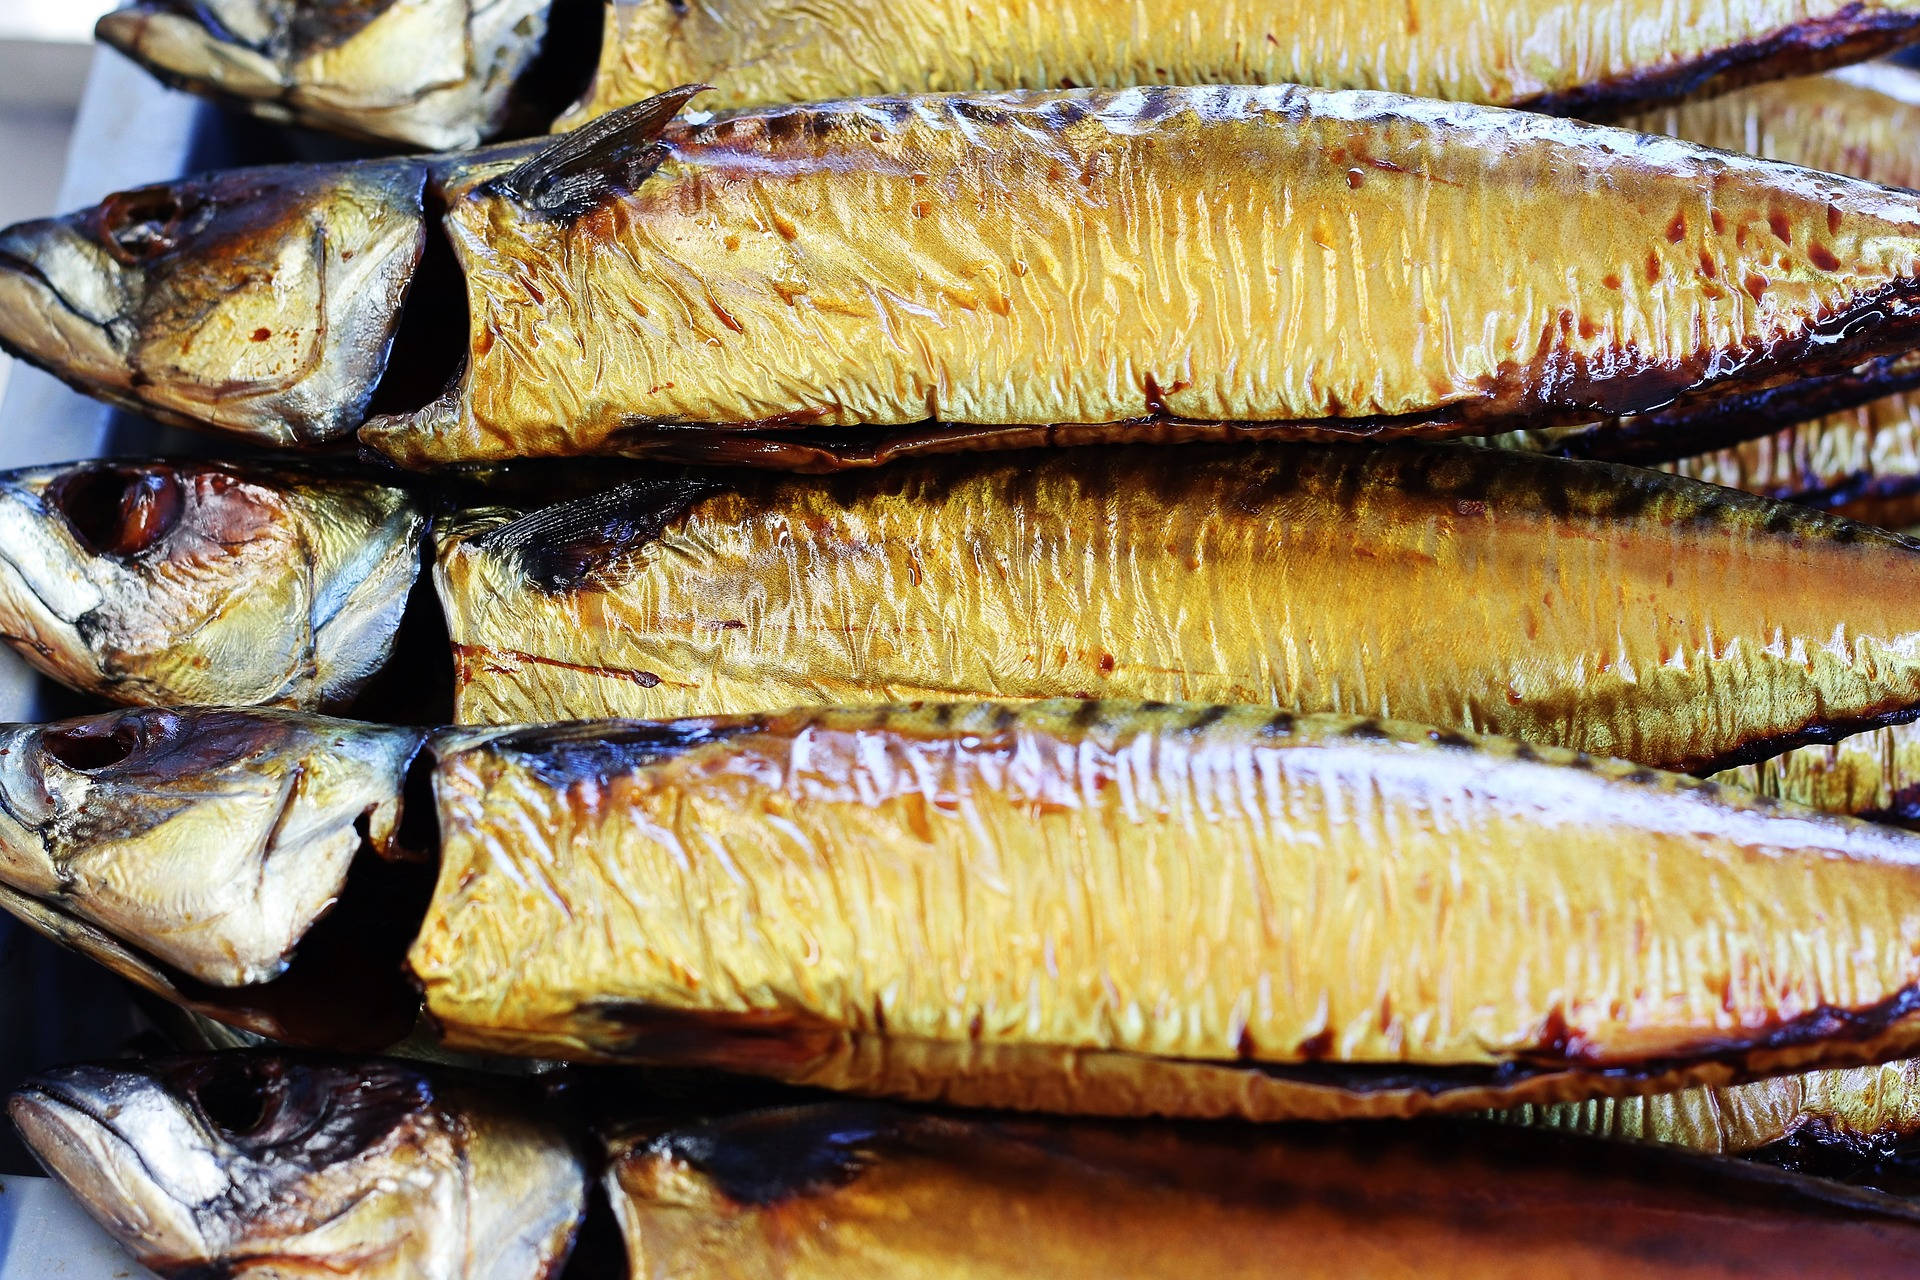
<point x="90" y="747"/>
<point x="140" y="226"/>
<point x="119" y="511"/>
<point x="232" y="1096"/>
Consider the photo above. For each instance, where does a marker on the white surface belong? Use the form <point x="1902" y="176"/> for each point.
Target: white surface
<point x="44" y="1235"/>
<point x="68" y="20"/>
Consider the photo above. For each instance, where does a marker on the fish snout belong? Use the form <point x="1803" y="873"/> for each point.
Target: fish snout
<point x="130" y="1152"/>
<point x="223" y="47"/>
<point x="63" y="303"/>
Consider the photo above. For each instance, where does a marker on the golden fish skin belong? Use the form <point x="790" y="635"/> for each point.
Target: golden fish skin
<point x="209" y="842"/>
<point x="1875" y="774"/>
<point x="1323" y="264"/>
<point x="205" y="583"/>
<point x="1818" y="1117"/>
<point x="861" y="1193"/>
<point x="1544" y="54"/>
<point x="1574" y="604"/>
<point x="428" y="73"/>
<point x="260" y="1164"/>
<point x="1320" y="916"/>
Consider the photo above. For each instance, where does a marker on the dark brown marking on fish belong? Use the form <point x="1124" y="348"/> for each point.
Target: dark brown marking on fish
<point x="772" y="1158"/>
<point x="581" y="545"/>
<point x="1316" y="1046"/>
<point x="1205" y="719"/>
<point x="597" y="751"/>
<point x="1801" y="48"/>
<point x="601" y="161"/>
<point x="1368" y="731"/>
<point x="1822" y="257"/>
<point x="1886" y="1159"/>
<point x="121" y="511"/>
<point x="1087" y="715"/>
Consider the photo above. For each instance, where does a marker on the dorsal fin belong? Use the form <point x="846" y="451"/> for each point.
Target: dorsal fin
<point x="608" y="157"/>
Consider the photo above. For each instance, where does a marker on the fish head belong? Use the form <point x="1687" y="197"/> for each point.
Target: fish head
<point x="210" y="840"/>
<point x="259" y="301"/>
<point x="205" y="1165"/>
<point x="204" y="584"/>
<point x="429" y="73"/>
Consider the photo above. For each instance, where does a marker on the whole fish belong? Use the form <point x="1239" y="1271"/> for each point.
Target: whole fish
<point x="205" y="583"/>
<point x="1143" y="263"/>
<point x="1322" y="916"/>
<point x="233" y="1162"/>
<point x="441" y="73"/>
<point x="1573" y="604"/>
<point x="263" y="1164"/>
<point x="431" y="73"/>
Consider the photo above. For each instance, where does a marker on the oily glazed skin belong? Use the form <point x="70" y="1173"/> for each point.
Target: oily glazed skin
<point x="1863" y="122"/>
<point x="1875" y="775"/>
<point x="1346" y="265"/>
<point x="1864" y="1106"/>
<point x="838" y="1194"/>
<point x="1568" y="603"/>
<point x="1551" y="53"/>
<point x="923" y="902"/>
<point x="205" y="584"/>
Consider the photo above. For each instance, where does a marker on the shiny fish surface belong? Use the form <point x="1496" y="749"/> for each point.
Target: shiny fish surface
<point x="430" y="73"/>
<point x="441" y="73"/>
<point x="1861" y="122"/>
<point x="1567" y="603"/>
<point x="1875" y="774"/>
<point x="1321" y="916"/>
<point x="1051" y="258"/>
<point x="1847" y="1116"/>
<point x="849" y="1193"/>
<point x="1143" y="263"/>
<point x="210" y="840"/>
<point x="200" y="583"/>
<point x="263" y="1165"/>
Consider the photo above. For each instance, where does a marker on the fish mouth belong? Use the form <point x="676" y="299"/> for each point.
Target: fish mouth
<point x="80" y="1123"/>
<point x="188" y="47"/>
<point x="47" y="322"/>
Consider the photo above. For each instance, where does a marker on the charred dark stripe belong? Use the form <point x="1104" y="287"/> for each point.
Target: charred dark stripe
<point x="774" y="1157"/>
<point x="579" y="545"/>
<point x="561" y="755"/>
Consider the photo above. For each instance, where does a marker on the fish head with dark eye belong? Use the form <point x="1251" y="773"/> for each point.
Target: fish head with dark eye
<point x="259" y="301"/>
<point x="437" y="74"/>
<point x="202" y="584"/>
<point x="215" y="1164"/>
<point x="209" y="840"/>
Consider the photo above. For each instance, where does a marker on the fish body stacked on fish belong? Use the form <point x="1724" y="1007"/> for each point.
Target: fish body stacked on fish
<point x="253" y="1162"/>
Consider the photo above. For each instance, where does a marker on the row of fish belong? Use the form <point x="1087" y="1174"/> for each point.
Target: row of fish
<point x="452" y="73"/>
<point x="1568" y="603"/>
<point x="268" y="1164"/>
<point x="827" y="286"/>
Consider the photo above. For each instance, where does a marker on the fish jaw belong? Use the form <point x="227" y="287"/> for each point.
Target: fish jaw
<point x="437" y="74"/>
<point x="260" y="302"/>
<point x="203" y="584"/>
<point x="131" y="1156"/>
<point x="370" y="1168"/>
<point x="209" y="840"/>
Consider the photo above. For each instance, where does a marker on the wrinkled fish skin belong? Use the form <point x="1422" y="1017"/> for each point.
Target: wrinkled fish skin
<point x="1875" y="775"/>
<point x="209" y="840"/>
<point x="861" y="1193"/>
<point x="1544" y="54"/>
<point x="1831" y="1118"/>
<point x="205" y="584"/>
<point x="1861" y="122"/>
<point x="428" y="73"/>
<point x="1571" y="604"/>
<point x="261" y="1164"/>
<point x="1040" y="258"/>
<point x="1322" y="916"/>
<point x="258" y="301"/>
<point x="1025" y="260"/>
